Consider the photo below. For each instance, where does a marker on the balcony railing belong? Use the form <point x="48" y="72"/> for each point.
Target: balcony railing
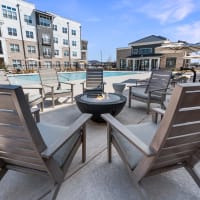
<point x="46" y="41"/>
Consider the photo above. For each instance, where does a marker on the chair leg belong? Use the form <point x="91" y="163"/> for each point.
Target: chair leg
<point x="148" y="107"/>
<point x="129" y="98"/>
<point x="109" y="144"/>
<point x="84" y="143"/>
<point x="194" y="175"/>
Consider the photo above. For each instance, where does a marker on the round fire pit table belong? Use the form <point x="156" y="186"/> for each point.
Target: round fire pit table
<point x="99" y="104"/>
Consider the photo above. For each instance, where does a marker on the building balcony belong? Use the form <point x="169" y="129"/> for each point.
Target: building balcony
<point x="46" y="41"/>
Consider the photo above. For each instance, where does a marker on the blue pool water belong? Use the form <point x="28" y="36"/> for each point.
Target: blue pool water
<point x="63" y="76"/>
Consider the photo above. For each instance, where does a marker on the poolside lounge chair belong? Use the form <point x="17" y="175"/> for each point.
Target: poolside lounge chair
<point x="52" y="86"/>
<point x="148" y="148"/>
<point x="152" y="92"/>
<point x="42" y="148"/>
<point x="94" y="81"/>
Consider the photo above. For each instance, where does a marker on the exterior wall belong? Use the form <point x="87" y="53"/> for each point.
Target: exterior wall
<point x="122" y="53"/>
<point x="177" y="56"/>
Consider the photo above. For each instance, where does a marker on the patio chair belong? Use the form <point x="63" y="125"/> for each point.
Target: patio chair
<point x="42" y="148"/>
<point x="149" y="148"/>
<point x="33" y="93"/>
<point x="52" y="86"/>
<point x="152" y="92"/>
<point x="94" y="81"/>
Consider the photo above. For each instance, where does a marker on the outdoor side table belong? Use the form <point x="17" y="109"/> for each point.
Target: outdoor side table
<point x="119" y="87"/>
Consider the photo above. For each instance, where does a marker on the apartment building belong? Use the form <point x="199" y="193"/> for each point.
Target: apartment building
<point x="30" y="38"/>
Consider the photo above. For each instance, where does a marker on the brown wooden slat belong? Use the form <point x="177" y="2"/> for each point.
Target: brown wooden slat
<point x="21" y="151"/>
<point x="184" y="129"/>
<point x="179" y="148"/>
<point x="170" y="162"/>
<point x="186" y="139"/>
<point x="6" y="102"/>
<point x="14" y="131"/>
<point x="22" y="158"/>
<point x="24" y="144"/>
<point x="9" y="116"/>
<point x="174" y="156"/>
<point x="191" y="98"/>
<point x="187" y="116"/>
<point x="24" y="164"/>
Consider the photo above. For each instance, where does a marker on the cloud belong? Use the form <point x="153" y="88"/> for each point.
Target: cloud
<point x="188" y="32"/>
<point x="169" y="11"/>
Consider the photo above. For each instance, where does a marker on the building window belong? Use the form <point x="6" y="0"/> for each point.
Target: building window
<point x="171" y="62"/>
<point x="64" y="29"/>
<point x="32" y="64"/>
<point x="56" y="52"/>
<point x="73" y="43"/>
<point x="57" y="63"/>
<point x="65" y="42"/>
<point x="44" y="21"/>
<point x="14" y="47"/>
<point x="135" y="51"/>
<point x="46" y="52"/>
<point x="28" y="19"/>
<point x="31" y="49"/>
<point x="73" y="32"/>
<point x="46" y="39"/>
<point x="29" y="34"/>
<point x="66" y="64"/>
<point x="17" y="63"/>
<point x="55" y="40"/>
<point x="9" y="12"/>
<point x="74" y="53"/>
<point x="55" y="28"/>
<point x="66" y="53"/>
<point x="145" y="51"/>
<point x="48" y="64"/>
<point x="12" y="31"/>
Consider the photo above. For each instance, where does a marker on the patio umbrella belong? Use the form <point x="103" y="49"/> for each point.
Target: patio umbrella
<point x="178" y="47"/>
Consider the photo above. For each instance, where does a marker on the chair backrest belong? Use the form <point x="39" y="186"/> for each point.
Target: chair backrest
<point x="94" y="77"/>
<point x="49" y="76"/>
<point x="20" y="139"/>
<point x="159" y="79"/>
<point x="178" y="137"/>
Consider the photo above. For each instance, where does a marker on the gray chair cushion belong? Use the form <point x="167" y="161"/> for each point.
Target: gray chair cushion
<point x="145" y="132"/>
<point x="51" y="133"/>
<point x="140" y="93"/>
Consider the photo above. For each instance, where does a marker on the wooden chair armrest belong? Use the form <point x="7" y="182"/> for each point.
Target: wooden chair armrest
<point x="158" y="110"/>
<point x="67" y="83"/>
<point x="139" y="144"/>
<point x="32" y="87"/>
<point x="50" y="86"/>
<point x="47" y="153"/>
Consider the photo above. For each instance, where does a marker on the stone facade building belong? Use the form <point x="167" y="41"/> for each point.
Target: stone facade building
<point x="142" y="55"/>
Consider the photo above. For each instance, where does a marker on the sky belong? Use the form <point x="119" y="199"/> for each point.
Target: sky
<point x="111" y="24"/>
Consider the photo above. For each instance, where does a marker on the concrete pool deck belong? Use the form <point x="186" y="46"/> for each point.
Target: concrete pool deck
<point x="96" y="179"/>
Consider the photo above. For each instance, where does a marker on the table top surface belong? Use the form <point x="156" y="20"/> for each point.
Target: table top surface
<point x="105" y="98"/>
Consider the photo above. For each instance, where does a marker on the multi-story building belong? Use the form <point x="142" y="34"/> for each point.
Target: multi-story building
<point x="143" y="55"/>
<point x="32" y="38"/>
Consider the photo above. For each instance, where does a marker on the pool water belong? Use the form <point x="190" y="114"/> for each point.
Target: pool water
<point x="63" y="76"/>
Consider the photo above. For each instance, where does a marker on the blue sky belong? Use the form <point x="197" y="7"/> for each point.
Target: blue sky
<point x="110" y="24"/>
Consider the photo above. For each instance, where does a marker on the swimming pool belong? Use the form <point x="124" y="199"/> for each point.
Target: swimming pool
<point x="63" y="76"/>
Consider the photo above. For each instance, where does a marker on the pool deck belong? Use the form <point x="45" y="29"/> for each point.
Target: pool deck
<point x="97" y="179"/>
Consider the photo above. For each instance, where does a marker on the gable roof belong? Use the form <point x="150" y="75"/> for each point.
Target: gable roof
<point x="150" y="39"/>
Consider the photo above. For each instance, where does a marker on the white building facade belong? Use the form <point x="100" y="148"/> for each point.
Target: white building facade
<point x="30" y="38"/>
